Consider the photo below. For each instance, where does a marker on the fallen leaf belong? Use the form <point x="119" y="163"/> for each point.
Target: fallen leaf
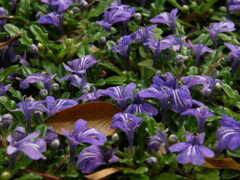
<point x="104" y="173"/>
<point x="97" y="114"/>
<point x="223" y="163"/>
<point x="3" y="44"/>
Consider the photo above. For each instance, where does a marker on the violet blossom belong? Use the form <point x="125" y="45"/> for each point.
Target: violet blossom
<point x="79" y="66"/>
<point x="31" y="145"/>
<point x="207" y="82"/>
<point x="23" y="59"/>
<point x="157" y="46"/>
<point x="52" y="18"/>
<point x="174" y="43"/>
<point x="37" y="77"/>
<point x="198" y="50"/>
<point x="7" y="56"/>
<point x="223" y="26"/>
<point x="4" y="88"/>
<point x="75" y="80"/>
<point x="53" y="106"/>
<point x="167" y="18"/>
<point x="142" y="35"/>
<point x="139" y="106"/>
<point x="201" y="114"/>
<point x="3" y="13"/>
<point x="192" y="151"/>
<point x="232" y="5"/>
<point x="158" y="143"/>
<point x="50" y="135"/>
<point x="58" y="5"/>
<point x="120" y="94"/>
<point x="28" y="107"/>
<point x="122" y="45"/>
<point x="92" y="96"/>
<point x="127" y="123"/>
<point x="117" y="13"/>
<point x="93" y="156"/>
<point x="81" y="134"/>
<point x="233" y="56"/>
<point x="228" y="134"/>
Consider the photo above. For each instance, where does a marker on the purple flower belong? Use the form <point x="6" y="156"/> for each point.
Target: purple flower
<point x="23" y="59"/>
<point x="201" y="114"/>
<point x="158" y="143"/>
<point x="120" y="94"/>
<point x="167" y="18"/>
<point x="80" y="134"/>
<point x="93" y="156"/>
<point x="122" y="45"/>
<point x="52" y="18"/>
<point x="142" y="35"/>
<point x="118" y="13"/>
<point x="127" y="123"/>
<point x="192" y="151"/>
<point x="59" y="5"/>
<point x="3" y="13"/>
<point x="157" y="47"/>
<point x="234" y="55"/>
<point x="53" y="106"/>
<point x="7" y="56"/>
<point x="50" y="135"/>
<point x="139" y="106"/>
<point x="92" y="96"/>
<point x="207" y="82"/>
<point x="28" y="107"/>
<point x="75" y="80"/>
<point x="3" y="89"/>
<point x="228" y="134"/>
<point x="79" y="66"/>
<point x="37" y="77"/>
<point x="198" y="50"/>
<point x="223" y="26"/>
<point x="30" y="145"/>
<point x="233" y="5"/>
<point x="174" y="44"/>
<point x="167" y="80"/>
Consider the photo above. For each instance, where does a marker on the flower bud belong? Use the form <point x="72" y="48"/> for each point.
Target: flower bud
<point x="43" y="93"/>
<point x="218" y="86"/>
<point x="38" y="115"/>
<point x="30" y="98"/>
<point x="173" y="139"/>
<point x="40" y="46"/>
<point x="7" y="120"/>
<point x="54" y="144"/>
<point x="34" y="50"/>
<point x="185" y="7"/>
<point x="152" y="160"/>
<point x="55" y="87"/>
<point x="102" y="41"/>
<point x="6" y="175"/>
<point x="75" y="9"/>
<point x="68" y="42"/>
<point x="194" y="4"/>
<point x="180" y="60"/>
<point x="86" y="88"/>
<point x="207" y="93"/>
<point x="115" y="137"/>
<point x="19" y="133"/>
<point x="84" y="4"/>
<point x="138" y="17"/>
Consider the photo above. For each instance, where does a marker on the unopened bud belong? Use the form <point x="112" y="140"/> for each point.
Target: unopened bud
<point x="185" y="7"/>
<point x="30" y="98"/>
<point x="19" y="133"/>
<point x="84" y="4"/>
<point x="37" y="115"/>
<point x="54" y="144"/>
<point x="34" y="50"/>
<point x="75" y="9"/>
<point x="102" y="41"/>
<point x="115" y="137"/>
<point x="68" y="42"/>
<point x="194" y="4"/>
<point x="218" y="86"/>
<point x="152" y="160"/>
<point x="207" y="93"/>
<point x="55" y="87"/>
<point x="43" y="93"/>
<point x="86" y="88"/>
<point x="180" y="60"/>
<point x="6" y="175"/>
<point x="138" y="17"/>
<point x="7" y="120"/>
<point x="40" y="46"/>
<point x="173" y="139"/>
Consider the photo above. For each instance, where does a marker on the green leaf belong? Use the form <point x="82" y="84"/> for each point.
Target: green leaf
<point x="204" y="173"/>
<point x="230" y="174"/>
<point x="99" y="9"/>
<point x="168" y="176"/>
<point x="140" y="170"/>
<point x="4" y="75"/>
<point x="40" y="35"/>
<point x="112" y="68"/>
<point x="115" y="80"/>
<point x="7" y="103"/>
<point x="16" y="94"/>
<point x="24" y="8"/>
<point x="13" y="31"/>
<point x="209" y="4"/>
<point x="29" y="176"/>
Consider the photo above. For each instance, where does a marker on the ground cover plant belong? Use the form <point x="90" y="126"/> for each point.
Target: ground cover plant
<point x="141" y="89"/>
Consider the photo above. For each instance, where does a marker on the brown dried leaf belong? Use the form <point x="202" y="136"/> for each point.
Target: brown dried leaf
<point x="3" y="44"/>
<point x="97" y="114"/>
<point x="104" y="173"/>
<point x="223" y="163"/>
